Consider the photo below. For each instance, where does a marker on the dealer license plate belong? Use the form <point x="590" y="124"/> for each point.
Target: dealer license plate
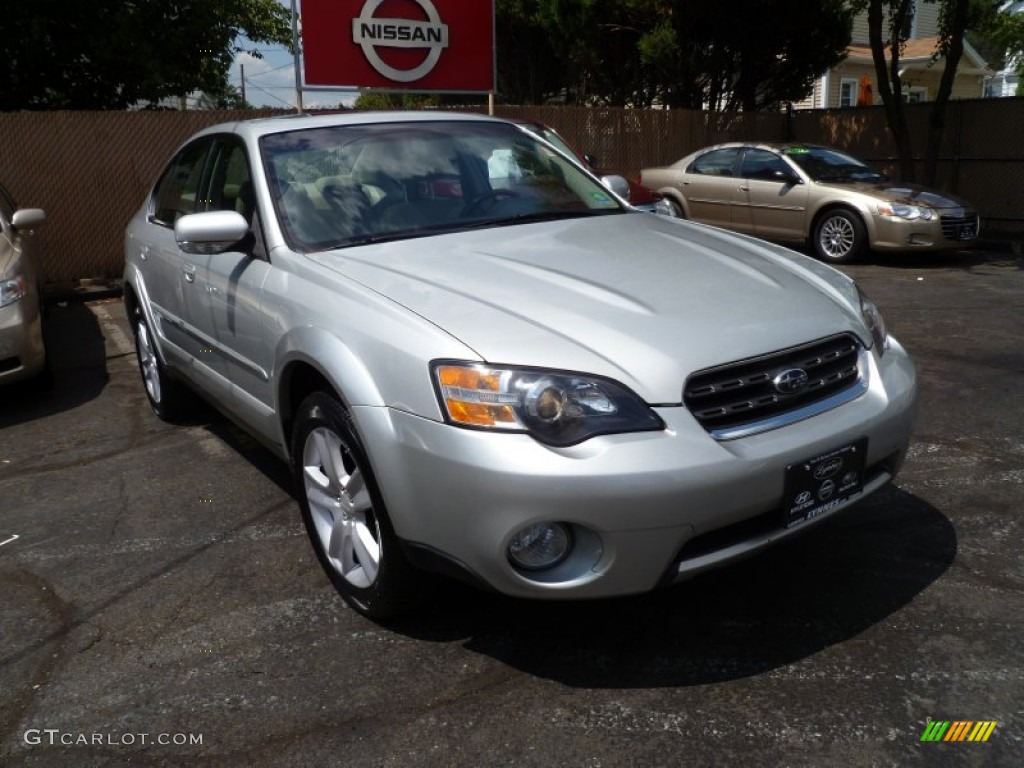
<point x="820" y="484"/>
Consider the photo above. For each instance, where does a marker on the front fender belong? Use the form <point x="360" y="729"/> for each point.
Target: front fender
<point x="331" y="358"/>
<point x="866" y="216"/>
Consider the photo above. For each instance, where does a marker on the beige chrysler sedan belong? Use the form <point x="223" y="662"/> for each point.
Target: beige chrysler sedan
<point x="801" y="193"/>
<point x="22" y="350"/>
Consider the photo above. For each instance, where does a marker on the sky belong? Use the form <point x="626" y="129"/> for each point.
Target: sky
<point x="270" y="80"/>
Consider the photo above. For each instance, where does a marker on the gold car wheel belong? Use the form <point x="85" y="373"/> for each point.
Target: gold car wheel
<point x="839" y="237"/>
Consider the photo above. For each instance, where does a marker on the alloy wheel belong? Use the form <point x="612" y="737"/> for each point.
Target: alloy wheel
<point x="341" y="508"/>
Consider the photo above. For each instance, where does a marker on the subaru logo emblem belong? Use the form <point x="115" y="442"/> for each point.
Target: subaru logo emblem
<point x="790" y="382"/>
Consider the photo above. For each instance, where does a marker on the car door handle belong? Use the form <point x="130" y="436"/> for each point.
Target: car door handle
<point x="190" y="273"/>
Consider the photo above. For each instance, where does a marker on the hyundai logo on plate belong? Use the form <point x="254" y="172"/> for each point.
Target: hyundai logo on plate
<point x="790" y="382"/>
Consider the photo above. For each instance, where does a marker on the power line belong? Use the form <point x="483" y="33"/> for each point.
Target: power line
<point x="268" y="93"/>
<point x="275" y="69"/>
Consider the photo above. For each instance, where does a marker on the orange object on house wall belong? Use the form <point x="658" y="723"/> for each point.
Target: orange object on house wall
<point x="865" y="98"/>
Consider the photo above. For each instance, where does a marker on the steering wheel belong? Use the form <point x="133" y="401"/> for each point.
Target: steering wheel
<point x="491" y="195"/>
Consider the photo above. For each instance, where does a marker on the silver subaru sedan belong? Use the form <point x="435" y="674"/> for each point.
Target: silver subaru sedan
<point x="479" y="361"/>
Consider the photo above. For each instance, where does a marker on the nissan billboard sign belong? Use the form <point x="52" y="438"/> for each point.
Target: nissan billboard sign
<point x="424" y="45"/>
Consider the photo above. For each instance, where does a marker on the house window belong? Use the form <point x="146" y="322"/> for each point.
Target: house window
<point x="909" y="29"/>
<point x="848" y="91"/>
<point x="915" y="95"/>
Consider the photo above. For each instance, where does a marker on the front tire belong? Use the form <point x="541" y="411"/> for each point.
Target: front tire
<point x="839" y="237"/>
<point x="344" y="512"/>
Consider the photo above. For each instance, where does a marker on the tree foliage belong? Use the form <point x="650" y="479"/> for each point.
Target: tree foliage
<point x="110" y="54"/>
<point x="749" y="54"/>
<point x="368" y="100"/>
<point x="887" y="24"/>
<point x="998" y="33"/>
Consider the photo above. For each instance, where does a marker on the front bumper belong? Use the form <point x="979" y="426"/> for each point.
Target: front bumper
<point x="22" y="354"/>
<point x="895" y="234"/>
<point x="634" y="501"/>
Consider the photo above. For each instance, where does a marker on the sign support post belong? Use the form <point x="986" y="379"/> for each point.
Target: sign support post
<point x="298" y="58"/>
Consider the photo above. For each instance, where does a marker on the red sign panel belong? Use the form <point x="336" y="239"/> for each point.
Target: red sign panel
<point x="425" y="45"/>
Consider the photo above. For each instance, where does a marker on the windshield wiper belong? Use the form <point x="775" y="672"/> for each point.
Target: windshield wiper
<point x="382" y="237"/>
<point x="530" y="218"/>
<point x="453" y="227"/>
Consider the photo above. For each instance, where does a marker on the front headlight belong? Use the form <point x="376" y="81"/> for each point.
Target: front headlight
<point x="908" y="212"/>
<point x="873" y="320"/>
<point x="11" y="290"/>
<point x="555" y="407"/>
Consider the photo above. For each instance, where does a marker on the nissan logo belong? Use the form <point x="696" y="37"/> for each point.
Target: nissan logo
<point x="370" y="32"/>
<point x="790" y="382"/>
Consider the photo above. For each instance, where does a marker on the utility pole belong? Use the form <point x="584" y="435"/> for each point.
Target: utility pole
<point x="242" y="67"/>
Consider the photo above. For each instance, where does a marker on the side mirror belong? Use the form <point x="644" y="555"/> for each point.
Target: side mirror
<point x="787" y="177"/>
<point x="618" y="185"/>
<point x="28" y="218"/>
<point x="210" y="232"/>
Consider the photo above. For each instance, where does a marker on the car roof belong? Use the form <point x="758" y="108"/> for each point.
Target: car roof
<point x="263" y="126"/>
<point x="778" y="146"/>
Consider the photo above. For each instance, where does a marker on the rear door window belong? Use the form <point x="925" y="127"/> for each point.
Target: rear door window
<point x="719" y="162"/>
<point x="177" y="191"/>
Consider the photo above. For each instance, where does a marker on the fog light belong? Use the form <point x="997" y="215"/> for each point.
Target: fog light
<point x="540" y="546"/>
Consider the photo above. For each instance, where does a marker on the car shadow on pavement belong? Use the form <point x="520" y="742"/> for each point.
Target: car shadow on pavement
<point x="78" y="362"/>
<point x="818" y="590"/>
<point x="926" y="261"/>
<point x="961" y="260"/>
<point x="241" y="442"/>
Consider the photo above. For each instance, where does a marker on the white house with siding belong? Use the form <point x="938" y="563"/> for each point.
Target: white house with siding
<point x="1006" y="82"/>
<point x="920" y="73"/>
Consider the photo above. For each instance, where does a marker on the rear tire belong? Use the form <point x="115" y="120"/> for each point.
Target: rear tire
<point x="169" y="399"/>
<point x="344" y="512"/>
<point x="839" y="237"/>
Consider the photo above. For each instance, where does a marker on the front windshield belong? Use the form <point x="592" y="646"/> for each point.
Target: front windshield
<point x="829" y="165"/>
<point x="358" y="184"/>
<point x="538" y="129"/>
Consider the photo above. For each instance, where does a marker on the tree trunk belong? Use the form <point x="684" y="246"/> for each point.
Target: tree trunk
<point x="952" y="45"/>
<point x="889" y="81"/>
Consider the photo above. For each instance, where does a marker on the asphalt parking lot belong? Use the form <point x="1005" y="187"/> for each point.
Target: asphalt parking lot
<point x="160" y="603"/>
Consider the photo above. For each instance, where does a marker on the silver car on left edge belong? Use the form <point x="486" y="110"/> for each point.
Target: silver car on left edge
<point x="479" y="361"/>
<point x="22" y="348"/>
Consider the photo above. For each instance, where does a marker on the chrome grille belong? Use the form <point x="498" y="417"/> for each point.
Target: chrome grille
<point x="742" y="398"/>
<point x="960" y="227"/>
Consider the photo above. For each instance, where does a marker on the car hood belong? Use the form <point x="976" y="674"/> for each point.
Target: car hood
<point x="908" y="194"/>
<point x="638" y="298"/>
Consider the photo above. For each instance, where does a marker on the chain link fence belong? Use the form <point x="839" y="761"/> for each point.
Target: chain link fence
<point x="91" y="170"/>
